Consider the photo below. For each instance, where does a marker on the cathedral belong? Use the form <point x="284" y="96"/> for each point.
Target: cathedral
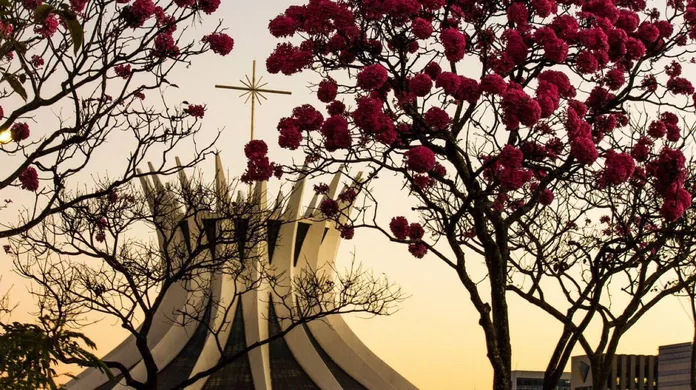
<point x="323" y="354"/>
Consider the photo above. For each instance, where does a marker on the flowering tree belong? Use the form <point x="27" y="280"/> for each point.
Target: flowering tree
<point x="547" y="137"/>
<point x="97" y="61"/>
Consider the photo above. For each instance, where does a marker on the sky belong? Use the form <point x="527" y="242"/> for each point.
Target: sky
<point x="433" y="339"/>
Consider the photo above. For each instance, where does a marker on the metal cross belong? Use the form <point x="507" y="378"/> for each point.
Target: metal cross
<point x="253" y="89"/>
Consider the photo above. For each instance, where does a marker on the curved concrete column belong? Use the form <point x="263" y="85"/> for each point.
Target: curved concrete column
<point x="226" y="306"/>
<point x="127" y="353"/>
<point x="172" y="343"/>
<point x="255" y="301"/>
<point x="337" y="338"/>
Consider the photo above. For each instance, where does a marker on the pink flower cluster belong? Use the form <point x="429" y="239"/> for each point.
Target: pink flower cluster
<point x="420" y="159"/>
<point x="135" y="15"/>
<point x="508" y="169"/>
<point x="48" y="27"/>
<point x="20" y="131"/>
<point x="220" y="43"/>
<point x="195" y="110"/>
<point x="372" y="77"/>
<point x="667" y="124"/>
<point x="259" y="167"/>
<point x="402" y="231"/>
<point x="371" y="118"/>
<point x="123" y="70"/>
<point x="454" y="43"/>
<point x="328" y="89"/>
<point x="288" y="59"/>
<point x="29" y="179"/>
<point x="519" y="108"/>
<point x="669" y="175"/>
<point x="618" y="167"/>
<point x="165" y="46"/>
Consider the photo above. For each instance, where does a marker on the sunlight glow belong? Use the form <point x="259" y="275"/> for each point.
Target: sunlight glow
<point x="5" y="136"/>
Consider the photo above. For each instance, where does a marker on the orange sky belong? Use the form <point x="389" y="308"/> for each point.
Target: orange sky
<point x="434" y="340"/>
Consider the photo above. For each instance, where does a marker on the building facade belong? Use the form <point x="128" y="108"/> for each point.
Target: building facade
<point x="674" y="366"/>
<point x="322" y="354"/>
<point x="628" y="372"/>
<point x="534" y="380"/>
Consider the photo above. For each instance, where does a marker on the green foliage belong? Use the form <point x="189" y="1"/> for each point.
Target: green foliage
<point x="28" y="353"/>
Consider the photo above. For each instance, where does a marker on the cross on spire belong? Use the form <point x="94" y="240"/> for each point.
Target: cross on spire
<point x="253" y="90"/>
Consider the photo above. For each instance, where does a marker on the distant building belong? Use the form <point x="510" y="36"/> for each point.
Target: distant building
<point x="674" y="366"/>
<point x="534" y="380"/>
<point x="628" y="372"/>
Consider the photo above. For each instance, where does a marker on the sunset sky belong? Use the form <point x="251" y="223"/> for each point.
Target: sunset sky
<point x="434" y="339"/>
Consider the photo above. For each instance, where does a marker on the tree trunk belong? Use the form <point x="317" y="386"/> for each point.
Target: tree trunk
<point x="502" y="378"/>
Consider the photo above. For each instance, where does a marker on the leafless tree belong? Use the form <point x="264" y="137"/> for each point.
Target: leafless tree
<point x="85" y="260"/>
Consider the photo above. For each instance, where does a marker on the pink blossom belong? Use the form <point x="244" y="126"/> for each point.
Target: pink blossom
<point x="208" y="6"/>
<point x="546" y="197"/>
<point x="415" y="231"/>
<point x="418" y="250"/>
<point x="584" y="150"/>
<point x="123" y="71"/>
<point x="641" y="150"/>
<point x="674" y="206"/>
<point x="680" y="86"/>
<point x="454" y="43"/>
<point x="29" y="179"/>
<point x="308" y="117"/>
<point x="347" y="232"/>
<point x="335" y="108"/>
<point x="48" y="27"/>
<point x="437" y="118"/>
<point x="288" y="59"/>
<point x="618" y="167"/>
<point x="290" y="138"/>
<point x="657" y="129"/>
<point x="510" y="157"/>
<point x="515" y="46"/>
<point x="37" y="61"/>
<point x="78" y="5"/>
<point x="627" y="21"/>
<point x="31" y="4"/>
<point x="399" y="227"/>
<point x="137" y="13"/>
<point x="544" y="8"/>
<point x="449" y="82"/>
<point x="195" y="110"/>
<point x="282" y="26"/>
<point x="220" y="43"/>
<point x="517" y="14"/>
<point x="165" y="46"/>
<point x="20" y="131"/>
<point x="328" y="89"/>
<point x="336" y="134"/>
<point x="433" y="70"/>
<point x="329" y="207"/>
<point x="421" y="28"/>
<point x="255" y="149"/>
<point x="586" y="62"/>
<point x="372" y="77"/>
<point x="615" y="78"/>
<point x="469" y="90"/>
<point x="493" y="84"/>
<point x="420" y="159"/>
<point x="421" y="84"/>
<point x="648" y="32"/>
